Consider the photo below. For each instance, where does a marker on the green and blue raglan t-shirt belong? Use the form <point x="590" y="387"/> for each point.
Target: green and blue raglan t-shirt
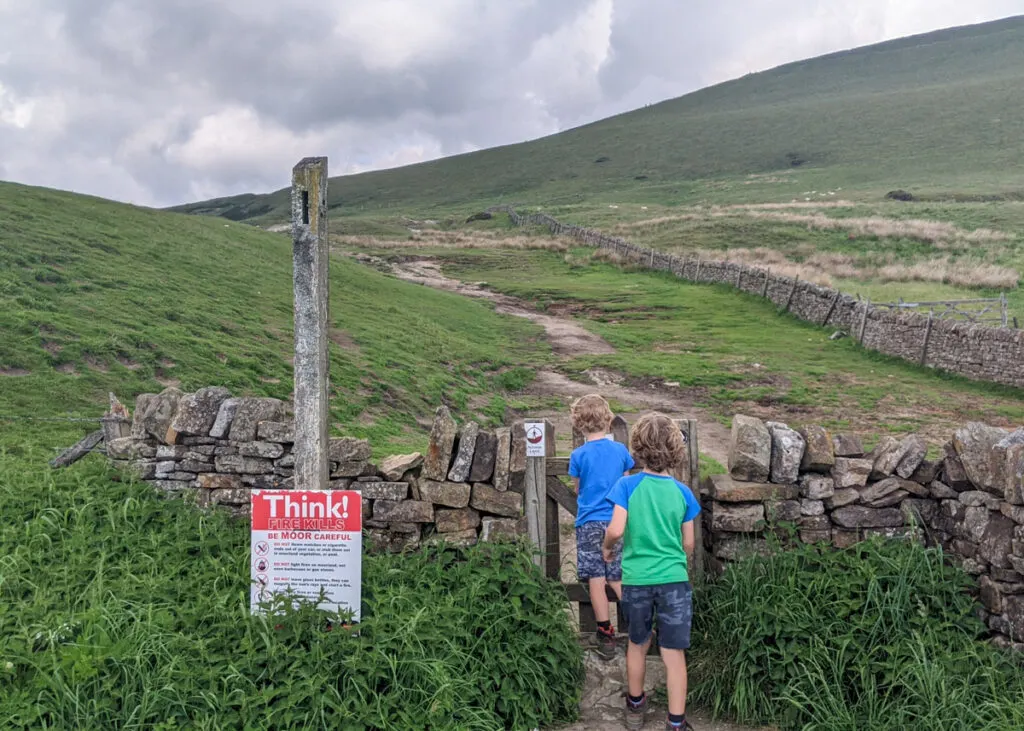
<point x="652" y="548"/>
<point x="597" y="464"/>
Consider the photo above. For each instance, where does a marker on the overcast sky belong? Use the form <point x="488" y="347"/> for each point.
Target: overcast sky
<point x="160" y="102"/>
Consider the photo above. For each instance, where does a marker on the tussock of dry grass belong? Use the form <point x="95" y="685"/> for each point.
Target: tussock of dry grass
<point x="774" y="260"/>
<point x="932" y="232"/>
<point x="455" y="240"/>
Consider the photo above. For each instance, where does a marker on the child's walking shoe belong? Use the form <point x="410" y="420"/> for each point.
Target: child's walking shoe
<point x="606" y="643"/>
<point x="635" y="712"/>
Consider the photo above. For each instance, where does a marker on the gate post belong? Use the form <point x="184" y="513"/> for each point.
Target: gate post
<point x="689" y="474"/>
<point x="539" y="442"/>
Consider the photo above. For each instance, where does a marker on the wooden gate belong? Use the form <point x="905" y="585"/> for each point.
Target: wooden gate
<point x="545" y="491"/>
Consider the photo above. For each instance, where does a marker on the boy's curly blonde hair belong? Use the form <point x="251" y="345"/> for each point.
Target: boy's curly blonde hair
<point x="656" y="443"/>
<point x="591" y="414"/>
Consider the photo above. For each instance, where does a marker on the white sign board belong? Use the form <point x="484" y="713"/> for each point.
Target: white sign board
<point x="305" y="540"/>
<point x="535" y="435"/>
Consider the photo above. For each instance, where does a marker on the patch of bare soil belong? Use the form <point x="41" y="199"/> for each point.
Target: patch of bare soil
<point x="567" y="337"/>
<point x="342" y="339"/>
<point x="67" y="369"/>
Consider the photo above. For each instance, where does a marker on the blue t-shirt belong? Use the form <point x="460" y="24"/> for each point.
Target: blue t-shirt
<point x="652" y="547"/>
<point x="597" y="464"/>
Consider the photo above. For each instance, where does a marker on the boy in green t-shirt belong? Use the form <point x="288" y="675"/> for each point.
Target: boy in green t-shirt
<point x="654" y="516"/>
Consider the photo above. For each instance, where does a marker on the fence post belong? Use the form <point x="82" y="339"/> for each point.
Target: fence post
<point x="696" y="277"/>
<point x="1002" y="304"/>
<point x="739" y="276"/>
<point x="864" y="320"/>
<point x="792" y="291"/>
<point x="535" y="488"/>
<point x="767" y="279"/>
<point x="927" y="337"/>
<point x="652" y="260"/>
<point x="831" y="309"/>
<point x="689" y="474"/>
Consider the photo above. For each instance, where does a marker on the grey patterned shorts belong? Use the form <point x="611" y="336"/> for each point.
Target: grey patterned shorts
<point x="589" y="561"/>
<point x="673" y="605"/>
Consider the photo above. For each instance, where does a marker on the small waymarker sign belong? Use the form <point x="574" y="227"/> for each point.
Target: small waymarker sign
<point x="535" y="446"/>
<point x="305" y="541"/>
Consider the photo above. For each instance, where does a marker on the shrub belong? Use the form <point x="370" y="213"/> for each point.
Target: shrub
<point x="882" y="636"/>
<point x="123" y="610"/>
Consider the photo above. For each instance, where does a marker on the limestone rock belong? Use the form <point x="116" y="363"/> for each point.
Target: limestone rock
<point x="817" y="487"/>
<point x="851" y="472"/>
<point x="348" y="450"/>
<point x="846" y="496"/>
<point x="812" y="507"/>
<point x="941" y="491"/>
<point x="953" y="470"/>
<point x="995" y="544"/>
<point x="463" y="539"/>
<point x="502" y="455"/>
<point x="448" y="494"/>
<point x="842" y="538"/>
<point x="215" y="481"/>
<point x="348" y="469"/>
<point x="732" y="548"/>
<point x="919" y="512"/>
<point x="517" y="457"/>
<point x="442" y="441"/>
<point x="927" y="472"/>
<point x="154" y="414"/>
<point x="782" y="511"/>
<point x="230" y="496"/>
<point x="394" y="468"/>
<point x="914" y="451"/>
<point x="488" y="500"/>
<point x="225" y="415"/>
<point x="171" y="451"/>
<point x="724" y="488"/>
<point x="885" y="457"/>
<point x="750" y="449"/>
<point x="977" y="498"/>
<point x="1013" y="512"/>
<point x="819" y="454"/>
<point x="467" y="448"/>
<point x="847" y="445"/>
<point x="393" y="491"/>
<point x="811" y="537"/>
<point x="121" y="449"/>
<point x="859" y="516"/>
<point x="815" y="522"/>
<point x="454" y="521"/>
<point x="878" y="494"/>
<point x="267" y="450"/>
<point x="403" y="511"/>
<point x="276" y="431"/>
<point x="787" y="453"/>
<point x="198" y="411"/>
<point x="237" y="464"/>
<point x="975" y="445"/>
<point x="498" y="529"/>
<point x="737" y="518"/>
<point x="248" y="415"/>
<point x="484" y="457"/>
<point x="1009" y="455"/>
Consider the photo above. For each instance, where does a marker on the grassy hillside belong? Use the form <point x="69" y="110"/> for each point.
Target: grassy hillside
<point x="98" y="296"/>
<point x="939" y="112"/>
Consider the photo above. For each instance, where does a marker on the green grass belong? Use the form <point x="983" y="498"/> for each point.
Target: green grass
<point x="120" y="609"/>
<point x="935" y="113"/>
<point x="883" y="636"/>
<point x="97" y="296"/>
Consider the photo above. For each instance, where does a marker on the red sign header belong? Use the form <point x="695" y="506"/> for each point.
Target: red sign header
<point x="313" y="510"/>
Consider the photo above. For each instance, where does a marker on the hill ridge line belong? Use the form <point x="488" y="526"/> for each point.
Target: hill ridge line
<point x="975" y="351"/>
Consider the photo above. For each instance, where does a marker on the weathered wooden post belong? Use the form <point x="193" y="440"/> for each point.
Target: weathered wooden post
<point x="310" y="255"/>
<point x="538" y="444"/>
<point x="689" y="474"/>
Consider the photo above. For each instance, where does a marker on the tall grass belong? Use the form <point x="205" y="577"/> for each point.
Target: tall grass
<point x="122" y="610"/>
<point x="883" y="635"/>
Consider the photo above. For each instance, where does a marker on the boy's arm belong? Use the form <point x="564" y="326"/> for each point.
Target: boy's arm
<point x="576" y="485"/>
<point x="614" y="532"/>
<point x="689" y="542"/>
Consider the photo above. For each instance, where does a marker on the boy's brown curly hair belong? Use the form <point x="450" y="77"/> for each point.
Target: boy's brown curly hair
<point x="591" y="414"/>
<point x="656" y="443"/>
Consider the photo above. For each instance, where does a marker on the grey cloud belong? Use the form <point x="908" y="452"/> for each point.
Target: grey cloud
<point x="163" y="102"/>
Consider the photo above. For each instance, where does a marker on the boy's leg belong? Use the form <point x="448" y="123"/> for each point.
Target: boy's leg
<point x="638" y="603"/>
<point x="636" y="667"/>
<point x="599" y="599"/>
<point x="674" y="604"/>
<point x="590" y="567"/>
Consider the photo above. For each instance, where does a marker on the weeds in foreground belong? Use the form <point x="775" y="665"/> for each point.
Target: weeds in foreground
<point x="123" y="610"/>
<point x="882" y="636"/>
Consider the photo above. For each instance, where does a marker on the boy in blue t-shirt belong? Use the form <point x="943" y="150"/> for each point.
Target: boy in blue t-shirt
<point x="654" y="516"/>
<point x="595" y="466"/>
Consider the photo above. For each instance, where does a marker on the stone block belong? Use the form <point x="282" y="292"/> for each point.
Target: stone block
<point x="122" y="448"/>
<point x="847" y="445"/>
<point x="941" y="491"/>
<point x="842" y="538"/>
<point x="1009" y="458"/>
<point x="171" y="451"/>
<point x="348" y="450"/>
<point x="884" y="493"/>
<point x="442" y="441"/>
<point x="198" y="411"/>
<point x="975" y="445"/>
<point x="817" y="487"/>
<point x="466" y="448"/>
<point x="347" y="469"/>
<point x="268" y="482"/>
<point x="498" y="529"/>
<point x="725" y="489"/>
<point x="750" y="450"/>
<point x="517" y="455"/>
<point x="782" y="511"/>
<point x="280" y="432"/>
<point x="819" y="451"/>
<point x="885" y="457"/>
<point x="488" y="500"/>
<point x="846" y="496"/>
<point x="737" y="517"/>
<point x="403" y="511"/>
<point x="223" y="449"/>
<point x="953" y="472"/>
<point x="733" y="548"/>
<point x="343" y="483"/>
<point x="196" y="441"/>
<point x="267" y="450"/>
<point x="1007" y="576"/>
<point x="927" y="472"/>
<point x="225" y="415"/>
<point x="154" y="414"/>
<point x="851" y="472"/>
<point x="978" y="498"/>
<point x="448" y="494"/>
<point x="919" y="512"/>
<point x="812" y="507"/>
<point x="462" y="539"/>
<point x="238" y="464"/>
<point x="393" y="491"/>
<point x="482" y="469"/>
<point x="455" y="521"/>
<point x="215" y="481"/>
<point x="859" y="516"/>
<point x="165" y="468"/>
<point x="914" y="450"/>
<point x="143" y="469"/>
<point x="248" y="415"/>
<point x="194" y="465"/>
<point x="502" y="457"/>
<point x="815" y="522"/>
<point x="815" y="536"/>
<point x="394" y="468"/>
<point x="995" y="545"/>
<point x="407" y="528"/>
<point x="230" y="496"/>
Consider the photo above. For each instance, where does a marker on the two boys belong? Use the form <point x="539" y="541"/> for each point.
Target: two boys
<point x="652" y="514"/>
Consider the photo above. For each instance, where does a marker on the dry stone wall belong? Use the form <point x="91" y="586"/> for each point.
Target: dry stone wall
<point x="968" y="499"/>
<point x="215" y="449"/>
<point x="975" y="351"/>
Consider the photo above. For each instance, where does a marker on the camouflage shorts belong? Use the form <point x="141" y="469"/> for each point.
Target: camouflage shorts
<point x="673" y="606"/>
<point x="589" y="561"/>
